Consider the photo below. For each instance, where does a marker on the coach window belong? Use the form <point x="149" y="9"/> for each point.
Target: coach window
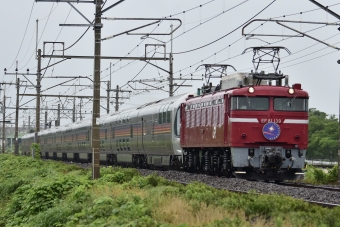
<point x="168" y="114"/>
<point x="160" y="115"/>
<point x="128" y="144"/>
<point x="131" y="131"/>
<point x="106" y="134"/>
<point x="112" y="132"/>
<point x="166" y="106"/>
<point x="177" y="122"/>
<point x="249" y="103"/>
<point x="291" y="104"/>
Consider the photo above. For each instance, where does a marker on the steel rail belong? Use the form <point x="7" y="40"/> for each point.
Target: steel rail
<point x="310" y="186"/>
<point x="326" y="205"/>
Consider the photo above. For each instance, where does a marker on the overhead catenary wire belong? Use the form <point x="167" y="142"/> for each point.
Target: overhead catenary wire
<point x="23" y="38"/>
<point x="208" y="44"/>
<point x="39" y="38"/>
<point x="172" y="15"/>
<point x="283" y="16"/>
<point x="185" y="32"/>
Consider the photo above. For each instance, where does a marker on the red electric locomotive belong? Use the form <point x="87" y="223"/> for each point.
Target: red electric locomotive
<point x="247" y="127"/>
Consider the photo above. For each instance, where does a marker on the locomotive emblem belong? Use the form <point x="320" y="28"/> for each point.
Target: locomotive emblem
<point x="271" y="131"/>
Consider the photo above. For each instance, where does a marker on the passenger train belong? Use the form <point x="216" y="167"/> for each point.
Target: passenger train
<point x="246" y="127"/>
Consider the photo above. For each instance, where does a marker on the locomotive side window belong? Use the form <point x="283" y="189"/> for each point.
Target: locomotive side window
<point x="192" y="118"/>
<point x="177" y="122"/>
<point x="198" y="117"/>
<point x="291" y="104"/>
<point x="249" y="103"/>
<point x="203" y="115"/>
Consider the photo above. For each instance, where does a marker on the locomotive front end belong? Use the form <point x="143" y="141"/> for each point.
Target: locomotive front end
<point x="268" y="132"/>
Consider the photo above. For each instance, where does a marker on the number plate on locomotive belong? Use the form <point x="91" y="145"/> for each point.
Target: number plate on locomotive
<point x="271" y="120"/>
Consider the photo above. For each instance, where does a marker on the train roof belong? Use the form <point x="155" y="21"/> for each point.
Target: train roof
<point x="261" y="90"/>
<point x="109" y="117"/>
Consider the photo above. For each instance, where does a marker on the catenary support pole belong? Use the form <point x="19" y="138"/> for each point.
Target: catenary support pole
<point x="171" y="86"/>
<point x="58" y="116"/>
<point x="37" y="114"/>
<point x="29" y="124"/>
<point x="74" y="110"/>
<point x="108" y="98"/>
<point x="339" y="138"/>
<point x="16" y="142"/>
<point x="80" y="104"/>
<point x="3" y="123"/>
<point x="117" y="99"/>
<point x="96" y="94"/>
<point x="45" y="117"/>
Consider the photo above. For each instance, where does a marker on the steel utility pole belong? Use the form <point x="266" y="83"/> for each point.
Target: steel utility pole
<point x="80" y="117"/>
<point x="117" y="104"/>
<point x="108" y="97"/>
<point x="58" y="116"/>
<point x="171" y="87"/>
<point x="16" y="145"/>
<point x="96" y="93"/>
<point x="74" y="110"/>
<point x="45" y="117"/>
<point x="117" y="96"/>
<point x="339" y="138"/>
<point x="29" y="124"/>
<point x="3" y="124"/>
<point x="37" y="114"/>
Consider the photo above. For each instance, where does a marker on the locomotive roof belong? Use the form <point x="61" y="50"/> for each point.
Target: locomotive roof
<point x="261" y="90"/>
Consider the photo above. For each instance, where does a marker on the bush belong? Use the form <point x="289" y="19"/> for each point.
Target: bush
<point x="36" y="148"/>
<point x="318" y="176"/>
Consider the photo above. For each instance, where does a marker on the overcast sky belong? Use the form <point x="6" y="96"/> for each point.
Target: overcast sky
<point x="312" y="64"/>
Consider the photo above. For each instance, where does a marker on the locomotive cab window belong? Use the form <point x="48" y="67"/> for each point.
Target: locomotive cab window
<point x="249" y="103"/>
<point x="291" y="104"/>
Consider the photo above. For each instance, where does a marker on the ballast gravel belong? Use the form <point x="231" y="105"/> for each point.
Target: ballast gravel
<point x="317" y="195"/>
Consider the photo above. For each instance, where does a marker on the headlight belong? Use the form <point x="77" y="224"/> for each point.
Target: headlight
<point x="291" y="91"/>
<point x="251" y="90"/>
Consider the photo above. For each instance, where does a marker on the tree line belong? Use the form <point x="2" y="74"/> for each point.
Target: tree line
<point x="323" y="136"/>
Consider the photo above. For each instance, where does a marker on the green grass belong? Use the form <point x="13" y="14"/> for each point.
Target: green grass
<point x="316" y="175"/>
<point x="47" y="193"/>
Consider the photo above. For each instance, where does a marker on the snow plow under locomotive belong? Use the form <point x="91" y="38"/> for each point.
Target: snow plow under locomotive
<point x="245" y="127"/>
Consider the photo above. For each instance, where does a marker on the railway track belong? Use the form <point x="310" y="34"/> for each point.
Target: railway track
<point x="322" y="204"/>
<point x="310" y="186"/>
